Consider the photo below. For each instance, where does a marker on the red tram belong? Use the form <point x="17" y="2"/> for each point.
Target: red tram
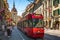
<point x="32" y="25"/>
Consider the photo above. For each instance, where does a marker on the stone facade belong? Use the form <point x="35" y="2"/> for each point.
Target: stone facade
<point x="50" y="10"/>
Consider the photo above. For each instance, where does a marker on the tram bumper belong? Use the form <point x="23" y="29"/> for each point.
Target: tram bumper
<point x="38" y="35"/>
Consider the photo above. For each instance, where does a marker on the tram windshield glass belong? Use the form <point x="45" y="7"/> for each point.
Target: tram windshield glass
<point x="37" y="23"/>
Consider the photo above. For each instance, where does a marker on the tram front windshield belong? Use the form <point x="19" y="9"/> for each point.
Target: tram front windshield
<point x="37" y="23"/>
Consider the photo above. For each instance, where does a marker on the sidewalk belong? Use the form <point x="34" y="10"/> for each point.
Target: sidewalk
<point x="52" y="32"/>
<point x="16" y="35"/>
<point x="2" y="36"/>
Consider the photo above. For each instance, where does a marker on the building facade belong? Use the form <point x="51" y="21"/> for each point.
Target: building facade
<point x="56" y="13"/>
<point x="50" y="9"/>
<point x="7" y="13"/>
<point x="1" y="12"/>
<point x="14" y="14"/>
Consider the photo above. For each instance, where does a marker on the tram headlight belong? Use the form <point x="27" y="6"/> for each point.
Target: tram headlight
<point x="38" y="31"/>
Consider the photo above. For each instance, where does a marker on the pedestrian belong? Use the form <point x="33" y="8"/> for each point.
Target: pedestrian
<point x="3" y="28"/>
<point x="5" y="33"/>
<point x="47" y="26"/>
<point x="8" y="30"/>
<point x="11" y="28"/>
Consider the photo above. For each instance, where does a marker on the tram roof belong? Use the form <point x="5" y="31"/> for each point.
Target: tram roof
<point x="33" y="15"/>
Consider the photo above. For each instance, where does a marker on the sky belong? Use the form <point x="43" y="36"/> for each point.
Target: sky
<point x="19" y="4"/>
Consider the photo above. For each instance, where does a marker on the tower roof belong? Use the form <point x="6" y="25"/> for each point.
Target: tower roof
<point x="14" y="9"/>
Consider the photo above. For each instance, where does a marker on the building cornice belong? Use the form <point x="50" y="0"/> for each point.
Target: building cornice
<point x="30" y="7"/>
<point x="37" y="1"/>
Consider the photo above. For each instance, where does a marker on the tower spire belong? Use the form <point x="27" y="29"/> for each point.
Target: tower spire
<point x="13" y="3"/>
<point x="14" y="9"/>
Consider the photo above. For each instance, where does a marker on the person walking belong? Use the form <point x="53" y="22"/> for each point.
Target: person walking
<point x="9" y="30"/>
<point x="3" y="28"/>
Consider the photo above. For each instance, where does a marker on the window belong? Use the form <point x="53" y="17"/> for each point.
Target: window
<point x="25" y="24"/>
<point x="59" y="11"/>
<point x="56" y="12"/>
<point x="55" y="3"/>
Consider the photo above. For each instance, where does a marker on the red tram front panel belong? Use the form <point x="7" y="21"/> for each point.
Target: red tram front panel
<point x="34" y="32"/>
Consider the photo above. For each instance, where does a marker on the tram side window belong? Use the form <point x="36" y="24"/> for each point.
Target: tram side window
<point x="25" y="24"/>
<point x="21" y="24"/>
<point x="30" y="23"/>
<point x="18" y="24"/>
